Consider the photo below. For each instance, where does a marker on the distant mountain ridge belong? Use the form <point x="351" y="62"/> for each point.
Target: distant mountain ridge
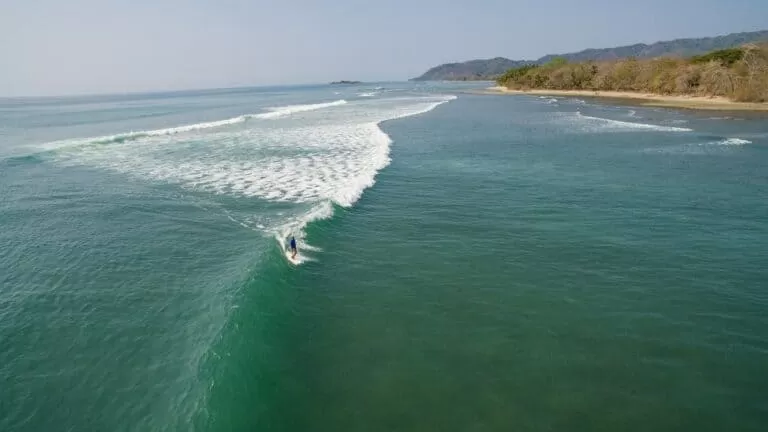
<point x="492" y="68"/>
<point x="473" y="69"/>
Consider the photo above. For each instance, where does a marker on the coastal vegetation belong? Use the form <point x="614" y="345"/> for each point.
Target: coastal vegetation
<point x="740" y="74"/>
<point x="491" y="69"/>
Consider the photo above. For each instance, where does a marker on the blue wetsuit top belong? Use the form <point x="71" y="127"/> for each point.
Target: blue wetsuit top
<point x="293" y="243"/>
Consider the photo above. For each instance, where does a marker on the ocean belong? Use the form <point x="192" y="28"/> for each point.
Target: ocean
<point x="467" y="262"/>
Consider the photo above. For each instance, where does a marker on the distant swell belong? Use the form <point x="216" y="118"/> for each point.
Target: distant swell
<point x="131" y="136"/>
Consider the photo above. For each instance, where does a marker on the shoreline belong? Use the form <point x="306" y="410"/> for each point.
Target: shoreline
<point x="717" y="103"/>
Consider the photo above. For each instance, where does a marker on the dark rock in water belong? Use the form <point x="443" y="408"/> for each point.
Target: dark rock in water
<point x="346" y="82"/>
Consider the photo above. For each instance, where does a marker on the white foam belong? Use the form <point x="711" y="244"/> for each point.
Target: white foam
<point x="368" y="94"/>
<point x="130" y="136"/>
<point x="701" y="148"/>
<point x="603" y="124"/>
<point x="734" y="141"/>
<point x="293" y="109"/>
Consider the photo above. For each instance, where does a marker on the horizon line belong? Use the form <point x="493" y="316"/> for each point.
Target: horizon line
<point x="195" y="89"/>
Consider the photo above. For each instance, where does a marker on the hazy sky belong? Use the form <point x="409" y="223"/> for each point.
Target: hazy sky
<point x="52" y="47"/>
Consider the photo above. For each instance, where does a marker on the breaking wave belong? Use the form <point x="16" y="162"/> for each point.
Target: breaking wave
<point x="734" y="141"/>
<point x="327" y="159"/>
<point x="276" y="112"/>
<point x="293" y="109"/>
<point x="597" y="124"/>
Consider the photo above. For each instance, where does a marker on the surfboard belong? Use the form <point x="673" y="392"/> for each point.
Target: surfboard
<point x="294" y="261"/>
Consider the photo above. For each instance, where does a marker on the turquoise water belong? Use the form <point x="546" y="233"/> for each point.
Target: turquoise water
<point x="469" y="262"/>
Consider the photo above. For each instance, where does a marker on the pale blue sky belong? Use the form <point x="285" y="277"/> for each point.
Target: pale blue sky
<point x="53" y="47"/>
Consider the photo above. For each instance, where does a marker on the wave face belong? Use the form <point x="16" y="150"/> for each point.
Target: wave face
<point x="154" y="227"/>
<point x="313" y="156"/>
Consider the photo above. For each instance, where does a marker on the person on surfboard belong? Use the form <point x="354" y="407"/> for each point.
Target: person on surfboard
<point x="293" y="247"/>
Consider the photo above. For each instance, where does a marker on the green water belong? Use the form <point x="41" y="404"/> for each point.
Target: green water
<point x="517" y="266"/>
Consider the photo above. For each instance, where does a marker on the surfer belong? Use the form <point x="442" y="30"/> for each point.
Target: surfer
<point x="293" y="247"/>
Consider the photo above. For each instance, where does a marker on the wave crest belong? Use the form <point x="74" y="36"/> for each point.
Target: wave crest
<point x="734" y="141"/>
<point x="293" y="109"/>
<point x="276" y="112"/>
<point x="600" y="123"/>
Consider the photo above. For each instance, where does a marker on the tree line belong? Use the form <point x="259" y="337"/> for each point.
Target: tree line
<point x="740" y="74"/>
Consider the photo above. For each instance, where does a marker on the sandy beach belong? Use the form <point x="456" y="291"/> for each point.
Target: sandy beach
<point x="690" y="102"/>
